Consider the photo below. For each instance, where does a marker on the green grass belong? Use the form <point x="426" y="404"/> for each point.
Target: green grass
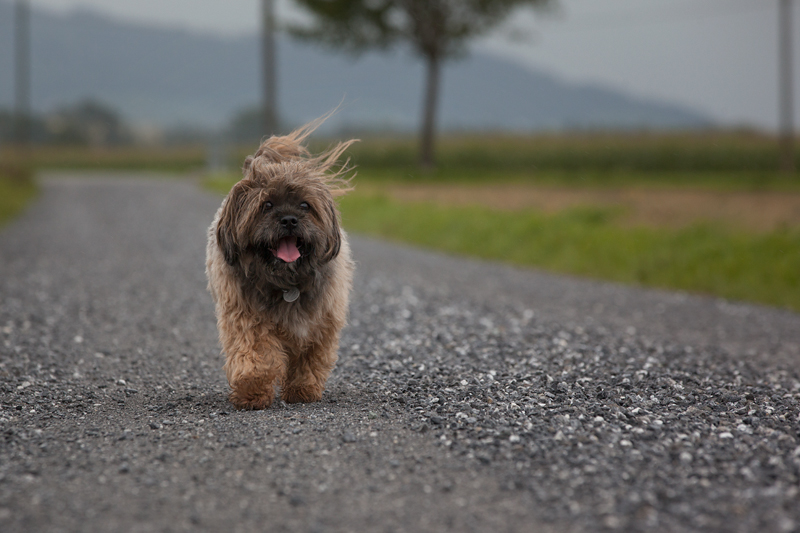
<point x="722" y="160"/>
<point x="17" y="189"/>
<point x="178" y="159"/>
<point x="719" y="160"/>
<point x="221" y="182"/>
<point x="710" y="151"/>
<point x="595" y="179"/>
<point x="587" y="242"/>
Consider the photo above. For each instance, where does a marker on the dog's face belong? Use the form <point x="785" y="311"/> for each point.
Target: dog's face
<point x="281" y="222"/>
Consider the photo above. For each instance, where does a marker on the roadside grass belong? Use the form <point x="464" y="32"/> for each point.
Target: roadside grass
<point x="742" y="180"/>
<point x="177" y="159"/>
<point x="17" y="189"/>
<point x="721" y="160"/>
<point x="221" y="182"/>
<point x="717" y="160"/>
<point x="598" y="151"/>
<point x="705" y="160"/>
<point x="587" y="241"/>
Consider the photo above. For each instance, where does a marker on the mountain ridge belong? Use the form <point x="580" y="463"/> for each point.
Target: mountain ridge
<point x="167" y="76"/>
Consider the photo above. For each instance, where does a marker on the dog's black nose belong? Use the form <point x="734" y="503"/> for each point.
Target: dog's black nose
<point x="289" y="221"/>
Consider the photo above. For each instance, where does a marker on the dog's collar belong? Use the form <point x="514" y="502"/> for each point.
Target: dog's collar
<point x="291" y="295"/>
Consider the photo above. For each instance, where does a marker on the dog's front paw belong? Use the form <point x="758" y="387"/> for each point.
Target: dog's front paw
<point x="252" y="394"/>
<point x="307" y="394"/>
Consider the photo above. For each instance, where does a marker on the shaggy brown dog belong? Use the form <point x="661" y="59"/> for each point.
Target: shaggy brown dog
<point x="280" y="272"/>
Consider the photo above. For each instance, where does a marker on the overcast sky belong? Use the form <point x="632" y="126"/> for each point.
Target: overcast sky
<point x="716" y="56"/>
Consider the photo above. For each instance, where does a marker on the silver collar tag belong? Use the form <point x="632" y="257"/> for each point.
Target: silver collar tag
<point x="291" y="295"/>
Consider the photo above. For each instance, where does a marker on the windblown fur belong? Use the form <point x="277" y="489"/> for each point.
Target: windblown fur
<point x="283" y="207"/>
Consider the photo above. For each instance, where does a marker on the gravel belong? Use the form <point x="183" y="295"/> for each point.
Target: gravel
<point x="468" y="397"/>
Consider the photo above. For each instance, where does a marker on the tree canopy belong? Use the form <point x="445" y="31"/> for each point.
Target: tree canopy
<point x="435" y="29"/>
<point x="432" y="27"/>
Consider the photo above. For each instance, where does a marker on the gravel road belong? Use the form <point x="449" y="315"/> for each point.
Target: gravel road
<point x="468" y="397"/>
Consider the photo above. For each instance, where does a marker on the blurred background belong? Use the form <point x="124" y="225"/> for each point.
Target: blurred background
<point x="172" y="69"/>
<point x="643" y="141"/>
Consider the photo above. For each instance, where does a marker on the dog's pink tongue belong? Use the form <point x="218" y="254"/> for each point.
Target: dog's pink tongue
<point x="287" y="250"/>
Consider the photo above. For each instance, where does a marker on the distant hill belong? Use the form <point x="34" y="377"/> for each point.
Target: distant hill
<point x="169" y="77"/>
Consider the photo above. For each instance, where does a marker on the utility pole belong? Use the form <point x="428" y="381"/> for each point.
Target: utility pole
<point x="785" y="83"/>
<point x="269" y="68"/>
<point x="22" y="73"/>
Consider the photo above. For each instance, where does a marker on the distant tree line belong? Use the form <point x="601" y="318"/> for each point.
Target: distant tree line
<point x="93" y="123"/>
<point x="86" y="123"/>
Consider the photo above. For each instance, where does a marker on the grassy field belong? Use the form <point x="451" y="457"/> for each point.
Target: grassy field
<point x="718" y="160"/>
<point x="590" y="241"/>
<point x="715" y="160"/>
<point x="179" y="159"/>
<point x="17" y="189"/>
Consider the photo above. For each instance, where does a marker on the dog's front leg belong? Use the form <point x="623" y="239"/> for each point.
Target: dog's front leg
<point x="253" y="364"/>
<point x="308" y="369"/>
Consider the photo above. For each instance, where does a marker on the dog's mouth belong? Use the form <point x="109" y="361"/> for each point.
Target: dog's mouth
<point x="288" y="249"/>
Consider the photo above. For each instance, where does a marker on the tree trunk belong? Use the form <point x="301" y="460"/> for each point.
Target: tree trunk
<point x="427" y="133"/>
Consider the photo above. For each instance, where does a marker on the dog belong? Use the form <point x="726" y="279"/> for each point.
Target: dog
<point x="280" y="271"/>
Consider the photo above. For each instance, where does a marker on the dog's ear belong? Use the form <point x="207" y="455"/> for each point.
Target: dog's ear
<point x="334" y="234"/>
<point x="227" y="226"/>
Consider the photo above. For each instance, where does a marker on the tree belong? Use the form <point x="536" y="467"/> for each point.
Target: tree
<point x="436" y="30"/>
<point x="86" y="123"/>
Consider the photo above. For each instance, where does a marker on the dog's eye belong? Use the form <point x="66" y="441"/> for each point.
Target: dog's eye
<point x="268" y="205"/>
<point x="304" y="206"/>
